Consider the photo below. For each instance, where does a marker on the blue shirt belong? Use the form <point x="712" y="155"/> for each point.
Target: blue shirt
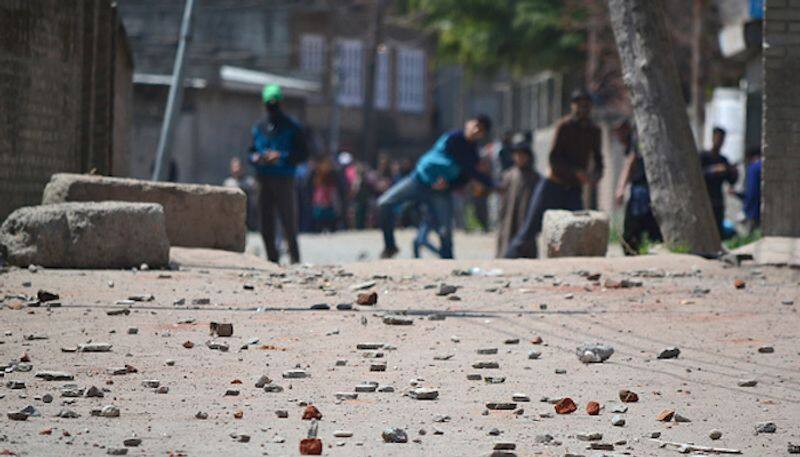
<point x="453" y="159"/>
<point x="283" y="135"/>
<point x="752" y="191"/>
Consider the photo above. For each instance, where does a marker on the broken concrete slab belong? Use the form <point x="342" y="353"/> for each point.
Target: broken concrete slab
<point x="86" y="235"/>
<point x="197" y="215"/>
<point x="575" y="233"/>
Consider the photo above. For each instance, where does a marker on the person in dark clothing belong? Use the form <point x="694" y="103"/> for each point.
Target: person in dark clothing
<point x="576" y="143"/>
<point x="449" y="164"/>
<point x="505" y="153"/>
<point x="639" y="218"/>
<point x="717" y="170"/>
<point x="278" y="146"/>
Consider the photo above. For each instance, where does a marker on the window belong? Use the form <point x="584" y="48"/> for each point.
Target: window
<point x="351" y="67"/>
<point x="382" y="79"/>
<point x="312" y="54"/>
<point x="411" y="80"/>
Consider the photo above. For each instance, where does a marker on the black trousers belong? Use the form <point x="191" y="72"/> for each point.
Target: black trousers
<point x="548" y="195"/>
<point x="634" y="229"/>
<point x="277" y="200"/>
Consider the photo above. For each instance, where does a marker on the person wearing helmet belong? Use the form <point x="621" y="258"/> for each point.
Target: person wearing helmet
<point x="278" y="146"/>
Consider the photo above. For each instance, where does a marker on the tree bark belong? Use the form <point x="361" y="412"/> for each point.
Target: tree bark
<point x="678" y="193"/>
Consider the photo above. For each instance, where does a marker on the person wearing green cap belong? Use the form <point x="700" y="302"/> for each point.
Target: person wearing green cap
<point x="278" y="146"/>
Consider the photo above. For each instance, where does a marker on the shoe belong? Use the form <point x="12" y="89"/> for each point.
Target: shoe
<point x="388" y="253"/>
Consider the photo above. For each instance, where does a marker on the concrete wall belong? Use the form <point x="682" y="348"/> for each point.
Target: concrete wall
<point x="781" y="141"/>
<point x="56" y="83"/>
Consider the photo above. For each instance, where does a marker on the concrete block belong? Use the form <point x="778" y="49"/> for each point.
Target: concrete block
<point x="197" y="215"/>
<point x="86" y="235"/>
<point x="575" y="233"/>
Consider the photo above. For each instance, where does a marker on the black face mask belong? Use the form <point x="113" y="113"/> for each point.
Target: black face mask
<point x="273" y="110"/>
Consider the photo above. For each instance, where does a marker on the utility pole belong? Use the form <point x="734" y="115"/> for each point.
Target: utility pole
<point x="368" y="108"/>
<point x="175" y="98"/>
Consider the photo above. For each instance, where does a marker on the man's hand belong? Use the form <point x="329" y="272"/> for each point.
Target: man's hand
<point x="582" y="177"/>
<point x="270" y="157"/>
<point x="619" y="196"/>
<point x="440" y="184"/>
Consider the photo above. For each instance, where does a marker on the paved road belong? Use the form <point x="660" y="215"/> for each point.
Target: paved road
<point x="357" y="246"/>
<point x="354" y="246"/>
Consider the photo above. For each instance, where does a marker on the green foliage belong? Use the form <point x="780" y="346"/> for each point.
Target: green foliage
<point x="489" y="35"/>
<point x="741" y="240"/>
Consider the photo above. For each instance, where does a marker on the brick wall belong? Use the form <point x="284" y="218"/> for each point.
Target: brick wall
<point x="781" y="140"/>
<point x="55" y="92"/>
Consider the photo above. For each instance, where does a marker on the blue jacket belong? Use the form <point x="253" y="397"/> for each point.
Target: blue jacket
<point x="284" y="135"/>
<point x="453" y="158"/>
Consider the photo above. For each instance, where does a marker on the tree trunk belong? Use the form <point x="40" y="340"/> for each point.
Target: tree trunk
<point x="698" y="99"/>
<point x="677" y="190"/>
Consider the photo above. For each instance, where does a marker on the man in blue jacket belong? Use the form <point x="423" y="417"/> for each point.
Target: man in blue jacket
<point x="278" y="147"/>
<point x="448" y="165"/>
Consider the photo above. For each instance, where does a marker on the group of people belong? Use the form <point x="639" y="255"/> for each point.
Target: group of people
<point x="329" y="192"/>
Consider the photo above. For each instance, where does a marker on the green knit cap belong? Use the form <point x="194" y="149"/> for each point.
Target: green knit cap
<point x="272" y="93"/>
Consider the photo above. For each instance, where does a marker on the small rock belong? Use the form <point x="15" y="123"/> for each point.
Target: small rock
<point x="47" y="398"/>
<point x="747" y="383"/>
<point x="117" y="451"/>
<point x="14" y="384"/>
<point x="109" y="411"/>
<point x="485" y="365"/>
<point x="739" y="284"/>
<point x="715" y="434"/>
<point x="766" y="350"/>
<point x="446" y="289"/>
<point x="151" y="383"/>
<point x="296" y="374"/>
<point x="132" y="442"/>
<point x="669" y="353"/>
<point x="534" y="354"/>
<point x="793" y="448"/>
<point x="397" y="320"/>
<point x="594" y="352"/>
<point x="377" y="366"/>
<point x="342" y="434"/>
<point x="665" y="415"/>
<point x="94" y="347"/>
<point x="394" y="435"/>
<point x="282" y="414"/>
<point x="766" y="427"/>
<point x="487" y="351"/>
<point x="595" y="436"/>
<point x="424" y="393"/>
<point x="320" y="307"/>
<point x="680" y="418"/>
<point x="231" y="393"/>
<point x="93" y="392"/>
<point x="17" y="415"/>
<point x="224" y="329"/>
<point x="68" y="414"/>
<point x="618" y="421"/>
<point x="201" y="415"/>
<point x="54" y="376"/>
<point x="520" y="398"/>
<point x="501" y="406"/>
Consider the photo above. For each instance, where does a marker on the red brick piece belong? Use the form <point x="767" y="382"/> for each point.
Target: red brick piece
<point x="311" y="446"/>
<point x="739" y="284"/>
<point x="593" y="408"/>
<point x="666" y="415"/>
<point x="566" y="406"/>
<point x="626" y="396"/>
<point x="367" y="299"/>
<point x="311" y="412"/>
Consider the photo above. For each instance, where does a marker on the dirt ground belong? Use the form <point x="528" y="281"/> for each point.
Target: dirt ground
<point x="682" y="301"/>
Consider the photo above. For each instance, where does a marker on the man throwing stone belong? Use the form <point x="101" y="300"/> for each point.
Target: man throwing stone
<point x="448" y="165"/>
